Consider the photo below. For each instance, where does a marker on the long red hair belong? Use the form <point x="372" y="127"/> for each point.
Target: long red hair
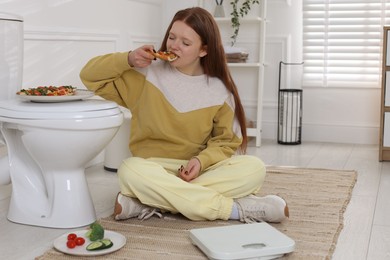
<point x="214" y="63"/>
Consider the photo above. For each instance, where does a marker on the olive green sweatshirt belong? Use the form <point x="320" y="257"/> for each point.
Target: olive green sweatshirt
<point x="174" y="115"/>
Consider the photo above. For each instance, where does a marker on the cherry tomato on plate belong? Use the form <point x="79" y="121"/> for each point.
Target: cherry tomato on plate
<point x="72" y="236"/>
<point x="71" y="244"/>
<point x="79" y="241"/>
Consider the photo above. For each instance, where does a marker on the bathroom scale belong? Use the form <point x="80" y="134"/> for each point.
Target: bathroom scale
<point x="245" y="241"/>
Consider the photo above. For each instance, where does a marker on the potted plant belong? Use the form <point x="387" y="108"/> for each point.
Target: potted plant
<point x="239" y="11"/>
<point x="219" y="12"/>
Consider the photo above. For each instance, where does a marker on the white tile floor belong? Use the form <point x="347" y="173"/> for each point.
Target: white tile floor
<point x="366" y="233"/>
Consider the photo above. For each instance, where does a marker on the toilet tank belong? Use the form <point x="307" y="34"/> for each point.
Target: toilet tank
<point x="11" y="55"/>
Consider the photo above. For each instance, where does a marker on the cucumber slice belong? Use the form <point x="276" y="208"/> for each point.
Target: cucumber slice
<point x="107" y="243"/>
<point x="97" y="245"/>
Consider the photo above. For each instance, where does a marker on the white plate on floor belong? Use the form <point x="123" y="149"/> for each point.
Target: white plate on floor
<point x="117" y="239"/>
<point x="79" y="95"/>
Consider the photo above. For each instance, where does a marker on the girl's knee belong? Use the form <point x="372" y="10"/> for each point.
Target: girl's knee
<point x="253" y="162"/>
<point x="256" y="166"/>
<point x="256" y="161"/>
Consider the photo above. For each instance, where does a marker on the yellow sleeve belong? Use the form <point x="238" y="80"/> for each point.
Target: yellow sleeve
<point x="111" y="77"/>
<point x="225" y="140"/>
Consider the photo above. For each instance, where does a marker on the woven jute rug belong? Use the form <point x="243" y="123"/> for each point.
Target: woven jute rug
<point x="317" y="199"/>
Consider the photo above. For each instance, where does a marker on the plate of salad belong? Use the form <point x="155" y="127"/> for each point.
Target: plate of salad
<point x="90" y="242"/>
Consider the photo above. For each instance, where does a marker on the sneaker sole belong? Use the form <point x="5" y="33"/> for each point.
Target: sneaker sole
<point x="286" y="211"/>
<point x="117" y="208"/>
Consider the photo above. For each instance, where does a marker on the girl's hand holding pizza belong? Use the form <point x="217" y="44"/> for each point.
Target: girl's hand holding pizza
<point x="141" y="57"/>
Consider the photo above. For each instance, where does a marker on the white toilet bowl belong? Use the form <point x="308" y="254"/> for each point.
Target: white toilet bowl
<point x="49" y="145"/>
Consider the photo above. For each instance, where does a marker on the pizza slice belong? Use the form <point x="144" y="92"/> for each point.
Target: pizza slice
<point x="164" y="55"/>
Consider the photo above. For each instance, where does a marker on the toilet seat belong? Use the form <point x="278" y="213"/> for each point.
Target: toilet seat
<point x="83" y="109"/>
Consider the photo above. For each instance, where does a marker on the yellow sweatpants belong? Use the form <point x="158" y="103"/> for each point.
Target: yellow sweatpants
<point x="155" y="182"/>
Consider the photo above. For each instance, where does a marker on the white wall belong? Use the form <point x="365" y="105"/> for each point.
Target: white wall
<point x="61" y="35"/>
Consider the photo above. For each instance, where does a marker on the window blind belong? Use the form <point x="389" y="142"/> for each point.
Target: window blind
<point x="342" y="42"/>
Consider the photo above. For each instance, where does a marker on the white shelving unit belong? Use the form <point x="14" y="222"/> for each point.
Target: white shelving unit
<point x="254" y="65"/>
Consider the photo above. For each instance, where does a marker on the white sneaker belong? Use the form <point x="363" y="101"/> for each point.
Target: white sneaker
<point x="270" y="208"/>
<point x="127" y="207"/>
